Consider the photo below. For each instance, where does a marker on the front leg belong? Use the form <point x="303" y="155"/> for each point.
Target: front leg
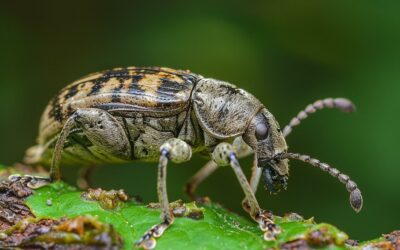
<point x="224" y="155"/>
<point x="254" y="181"/>
<point x="177" y="151"/>
<point x="242" y="150"/>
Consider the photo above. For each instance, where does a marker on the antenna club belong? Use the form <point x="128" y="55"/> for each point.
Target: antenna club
<point x="344" y="105"/>
<point x="356" y="200"/>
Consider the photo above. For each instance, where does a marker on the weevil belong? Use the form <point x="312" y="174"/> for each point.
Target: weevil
<point x="162" y="114"/>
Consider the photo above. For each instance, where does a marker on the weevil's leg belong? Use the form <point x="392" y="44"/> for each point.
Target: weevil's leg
<point x="242" y="150"/>
<point x="255" y="176"/>
<point x="35" y="182"/>
<point x="254" y="181"/>
<point x="198" y="178"/>
<point x="342" y="104"/>
<point x="148" y="239"/>
<point x="83" y="181"/>
<point x="55" y="174"/>
<point x="177" y="151"/>
<point x="224" y="154"/>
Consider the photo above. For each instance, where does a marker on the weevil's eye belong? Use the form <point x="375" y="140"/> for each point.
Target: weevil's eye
<point x="261" y="131"/>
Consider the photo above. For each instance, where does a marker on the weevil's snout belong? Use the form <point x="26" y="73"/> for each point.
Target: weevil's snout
<point x="275" y="174"/>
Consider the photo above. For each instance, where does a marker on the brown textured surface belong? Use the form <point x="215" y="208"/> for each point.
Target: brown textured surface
<point x="295" y="245"/>
<point x="394" y="239"/>
<point x="21" y="229"/>
<point x="79" y="233"/>
<point x="12" y="205"/>
<point x="111" y="199"/>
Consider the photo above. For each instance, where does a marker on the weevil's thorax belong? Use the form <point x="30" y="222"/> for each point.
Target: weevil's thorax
<point x="223" y="110"/>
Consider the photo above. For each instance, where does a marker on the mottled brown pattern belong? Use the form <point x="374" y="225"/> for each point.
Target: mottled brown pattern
<point x="12" y="203"/>
<point x="144" y="87"/>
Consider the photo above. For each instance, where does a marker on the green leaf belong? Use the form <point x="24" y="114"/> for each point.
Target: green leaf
<point x="128" y="220"/>
<point x="218" y="230"/>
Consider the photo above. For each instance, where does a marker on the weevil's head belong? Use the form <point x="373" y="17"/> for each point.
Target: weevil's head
<point x="265" y="137"/>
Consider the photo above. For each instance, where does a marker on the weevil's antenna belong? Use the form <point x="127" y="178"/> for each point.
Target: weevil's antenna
<point x="356" y="200"/>
<point x="342" y="104"/>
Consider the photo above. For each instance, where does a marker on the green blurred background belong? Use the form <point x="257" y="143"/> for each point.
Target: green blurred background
<point x="287" y="53"/>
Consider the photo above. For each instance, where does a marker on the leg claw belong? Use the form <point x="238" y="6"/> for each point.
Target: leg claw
<point x="148" y="240"/>
<point x="268" y="226"/>
<point x="149" y="243"/>
<point x="269" y="236"/>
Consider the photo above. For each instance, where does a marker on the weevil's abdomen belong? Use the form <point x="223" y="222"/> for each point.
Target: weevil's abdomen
<point x="141" y="99"/>
<point x="152" y="90"/>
